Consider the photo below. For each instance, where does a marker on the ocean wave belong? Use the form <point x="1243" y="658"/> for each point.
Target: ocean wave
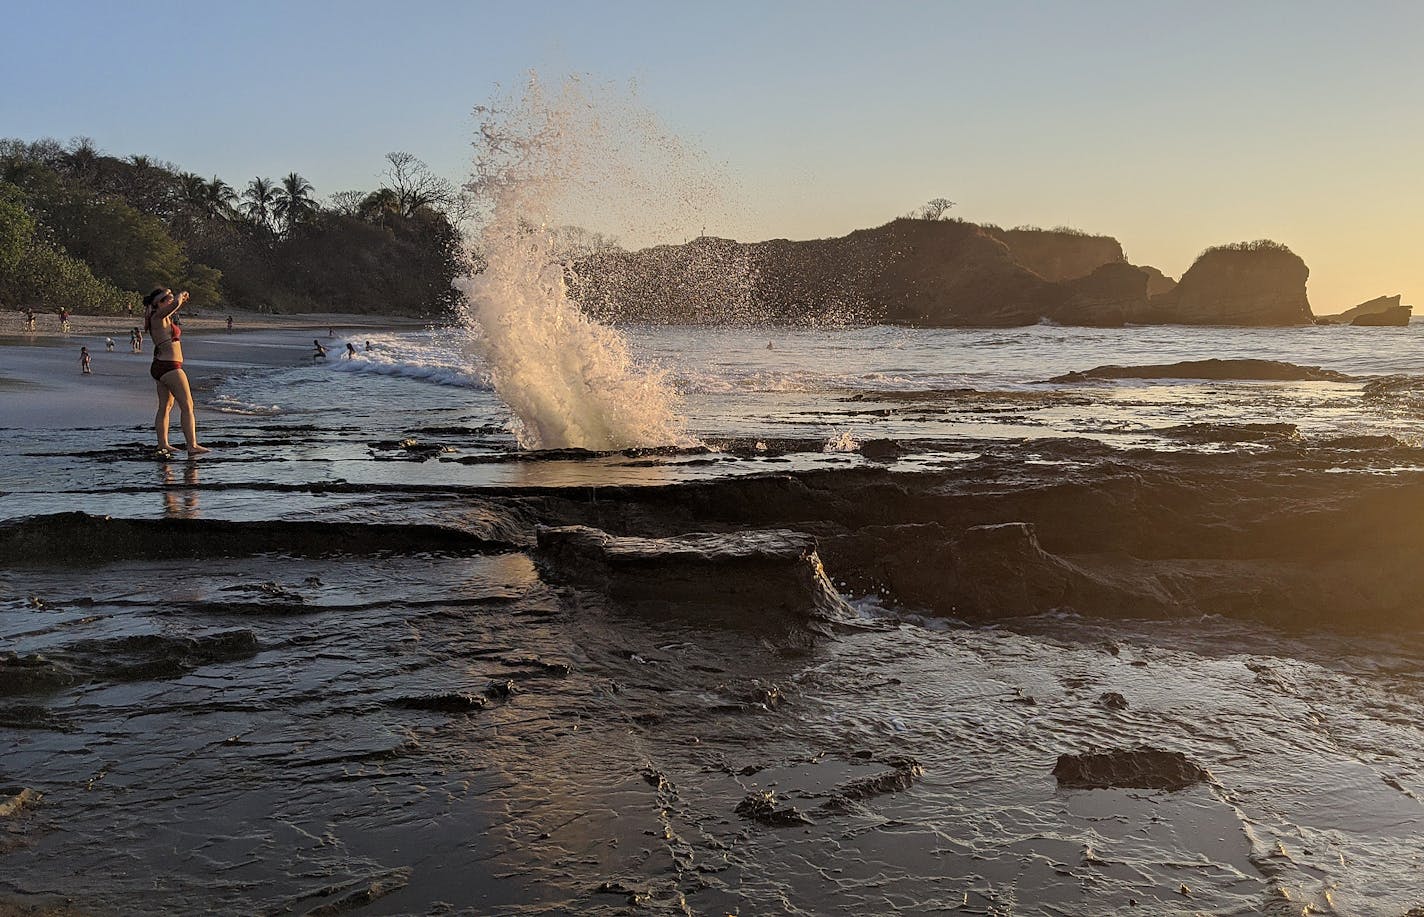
<point x="226" y="404"/>
<point x="422" y="357"/>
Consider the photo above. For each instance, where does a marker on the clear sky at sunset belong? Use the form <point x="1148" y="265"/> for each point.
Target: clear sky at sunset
<point x="1170" y="125"/>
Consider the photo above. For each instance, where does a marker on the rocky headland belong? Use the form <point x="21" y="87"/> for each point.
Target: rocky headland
<point x="941" y="273"/>
<point x="1378" y="312"/>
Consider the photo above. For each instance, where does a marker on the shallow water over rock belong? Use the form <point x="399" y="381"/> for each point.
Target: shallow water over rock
<point x="327" y="667"/>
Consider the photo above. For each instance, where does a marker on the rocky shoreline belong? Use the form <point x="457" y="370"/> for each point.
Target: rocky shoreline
<point x="1289" y="535"/>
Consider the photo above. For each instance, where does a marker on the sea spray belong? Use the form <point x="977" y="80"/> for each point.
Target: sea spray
<point x="570" y="380"/>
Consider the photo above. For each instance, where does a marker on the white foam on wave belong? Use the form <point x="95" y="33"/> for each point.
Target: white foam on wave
<point x="426" y="361"/>
<point x="570" y="380"/>
<point x="226" y="404"/>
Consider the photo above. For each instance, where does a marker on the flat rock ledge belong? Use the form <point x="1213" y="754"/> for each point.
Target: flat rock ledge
<point x="749" y="577"/>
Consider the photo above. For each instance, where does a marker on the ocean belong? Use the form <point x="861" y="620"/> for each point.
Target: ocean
<point x="329" y="665"/>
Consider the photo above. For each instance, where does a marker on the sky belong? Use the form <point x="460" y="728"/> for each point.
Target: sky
<point x="1169" y="125"/>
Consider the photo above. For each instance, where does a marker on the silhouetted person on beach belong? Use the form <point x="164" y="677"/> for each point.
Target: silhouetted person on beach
<point x="84" y="361"/>
<point x="64" y="320"/>
<point x="229" y="323"/>
<point x="167" y="368"/>
<point x="29" y="319"/>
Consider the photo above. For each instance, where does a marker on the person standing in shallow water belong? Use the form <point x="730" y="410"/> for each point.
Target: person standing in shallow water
<point x="166" y="369"/>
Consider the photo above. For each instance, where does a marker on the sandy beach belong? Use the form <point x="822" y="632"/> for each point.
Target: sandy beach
<point x="42" y="386"/>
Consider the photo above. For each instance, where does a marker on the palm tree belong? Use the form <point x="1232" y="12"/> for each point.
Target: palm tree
<point x="219" y="199"/>
<point x="258" y="201"/>
<point x="194" y="188"/>
<point x="294" y="202"/>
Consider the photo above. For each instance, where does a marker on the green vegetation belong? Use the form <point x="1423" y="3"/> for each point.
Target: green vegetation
<point x="93" y="232"/>
<point x="1260" y="245"/>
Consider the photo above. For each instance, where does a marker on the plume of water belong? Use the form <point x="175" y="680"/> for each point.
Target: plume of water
<point x="570" y="380"/>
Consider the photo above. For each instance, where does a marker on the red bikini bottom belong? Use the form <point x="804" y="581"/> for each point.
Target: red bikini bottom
<point x="158" y="368"/>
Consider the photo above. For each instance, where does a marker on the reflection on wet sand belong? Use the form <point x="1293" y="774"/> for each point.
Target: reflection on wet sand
<point x="178" y="502"/>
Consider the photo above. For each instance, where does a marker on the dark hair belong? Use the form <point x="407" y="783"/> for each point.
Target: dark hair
<point x="153" y="297"/>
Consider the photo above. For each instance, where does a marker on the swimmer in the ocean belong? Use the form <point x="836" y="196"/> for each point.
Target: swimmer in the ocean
<point x="320" y="352"/>
<point x="350" y="350"/>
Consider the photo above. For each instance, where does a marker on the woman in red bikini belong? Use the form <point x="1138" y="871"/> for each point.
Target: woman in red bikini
<point x="167" y="368"/>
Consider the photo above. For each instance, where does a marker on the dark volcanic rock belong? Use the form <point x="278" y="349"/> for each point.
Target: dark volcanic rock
<point x="1135" y="768"/>
<point x="1247" y="369"/>
<point x="745" y="575"/>
<point x="1277" y="536"/>
<point x="882" y="450"/>
<point x="1113" y="701"/>
<point x="145" y="656"/>
<point x="1258" y="283"/>
<point x="15" y="799"/>
<point x="449" y="702"/>
<point x="1231" y="432"/>
<point x="33" y="674"/>
<point x="1380" y="311"/>
<point x="763" y="807"/>
<point x="906" y="771"/>
<point x="67" y="537"/>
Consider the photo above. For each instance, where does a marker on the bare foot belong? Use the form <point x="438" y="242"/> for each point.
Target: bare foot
<point x="197" y="450"/>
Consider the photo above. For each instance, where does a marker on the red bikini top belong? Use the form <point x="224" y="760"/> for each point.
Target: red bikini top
<point x="175" y="332"/>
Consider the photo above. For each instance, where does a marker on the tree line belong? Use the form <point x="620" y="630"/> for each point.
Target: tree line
<point x="92" y="232"/>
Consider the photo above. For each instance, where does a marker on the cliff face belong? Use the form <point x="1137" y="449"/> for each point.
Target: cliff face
<point x="914" y="272"/>
<point x="1056" y="254"/>
<point x="935" y="274"/>
<point x="1157" y="282"/>
<point x="1250" y="284"/>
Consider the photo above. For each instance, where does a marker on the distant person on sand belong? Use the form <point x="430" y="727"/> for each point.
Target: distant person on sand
<point x="167" y="368"/>
<point x="350" y="350"/>
<point x="29" y="319"/>
<point x="109" y="344"/>
<point x="64" y="320"/>
<point x="84" y="361"/>
<point x="229" y="323"/>
<point x="320" y="352"/>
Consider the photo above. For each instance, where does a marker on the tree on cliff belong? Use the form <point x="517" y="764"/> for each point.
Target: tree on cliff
<point x="935" y="209"/>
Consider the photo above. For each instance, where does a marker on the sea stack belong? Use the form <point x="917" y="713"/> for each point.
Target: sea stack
<point x="1247" y="283"/>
